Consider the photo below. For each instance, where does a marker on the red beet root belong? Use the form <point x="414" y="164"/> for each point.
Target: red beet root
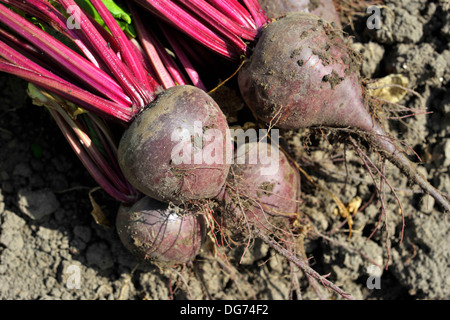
<point x="262" y="189"/>
<point x="153" y="230"/>
<point x="311" y="82"/>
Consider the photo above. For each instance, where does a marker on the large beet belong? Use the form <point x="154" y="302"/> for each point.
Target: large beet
<point x="321" y="8"/>
<point x="153" y="230"/>
<point x="311" y="82"/>
<point x="176" y="149"/>
<point x="314" y="81"/>
<point x="261" y="190"/>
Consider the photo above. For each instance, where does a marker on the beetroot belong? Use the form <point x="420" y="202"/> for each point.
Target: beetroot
<point x="314" y="81"/>
<point x="176" y="149"/>
<point x="321" y="8"/>
<point x="261" y="190"/>
<point x="154" y="230"/>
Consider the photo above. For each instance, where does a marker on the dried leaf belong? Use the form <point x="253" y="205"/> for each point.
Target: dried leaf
<point x="42" y="98"/>
<point x="210" y="244"/>
<point x="349" y="210"/>
<point x="97" y="211"/>
<point x="354" y="205"/>
<point x="390" y="88"/>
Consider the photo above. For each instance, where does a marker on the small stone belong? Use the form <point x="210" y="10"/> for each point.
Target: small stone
<point x="402" y="27"/>
<point x="442" y="183"/>
<point x="98" y="254"/>
<point x="82" y="232"/>
<point x="60" y="215"/>
<point x="50" y="283"/>
<point x="276" y="263"/>
<point x="44" y="233"/>
<point x="61" y="164"/>
<point x="441" y="154"/>
<point x="56" y="293"/>
<point x="11" y="239"/>
<point x="427" y="204"/>
<point x="23" y="170"/>
<point x="104" y="291"/>
<point x="372" y="54"/>
<point x="12" y="220"/>
<point x="255" y="253"/>
<point x="37" y="204"/>
<point x="423" y="171"/>
<point x="45" y="247"/>
<point x="37" y="165"/>
<point x="4" y="175"/>
<point x="7" y="187"/>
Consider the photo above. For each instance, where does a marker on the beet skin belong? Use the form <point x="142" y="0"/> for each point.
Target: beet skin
<point x="176" y="149"/>
<point x="152" y="230"/>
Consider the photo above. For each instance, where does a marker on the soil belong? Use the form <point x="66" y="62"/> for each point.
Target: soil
<point x="52" y="248"/>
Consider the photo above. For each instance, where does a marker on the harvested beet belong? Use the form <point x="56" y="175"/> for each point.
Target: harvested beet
<point x="321" y="8"/>
<point x="176" y="149"/>
<point x="261" y="190"/>
<point x="154" y="230"/>
<point x="314" y="81"/>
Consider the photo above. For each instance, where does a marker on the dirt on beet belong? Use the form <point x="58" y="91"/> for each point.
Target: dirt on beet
<point x="51" y="246"/>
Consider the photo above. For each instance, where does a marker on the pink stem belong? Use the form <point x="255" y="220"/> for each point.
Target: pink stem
<point x="93" y="152"/>
<point x="44" y="11"/>
<point x="69" y="91"/>
<point x="33" y="69"/>
<point x="95" y="173"/>
<point x="126" y="49"/>
<point x="172" y="67"/>
<point x="135" y="90"/>
<point x="257" y="13"/>
<point x="37" y="74"/>
<point x="64" y="56"/>
<point x="180" y="19"/>
<point x="111" y="147"/>
<point x="235" y="11"/>
<point x="190" y="70"/>
<point x="149" y="44"/>
<point x="145" y="61"/>
<point x="221" y="22"/>
<point x="19" y="44"/>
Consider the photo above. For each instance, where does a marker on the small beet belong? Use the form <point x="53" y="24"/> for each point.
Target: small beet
<point x="262" y="190"/>
<point x="152" y="230"/>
